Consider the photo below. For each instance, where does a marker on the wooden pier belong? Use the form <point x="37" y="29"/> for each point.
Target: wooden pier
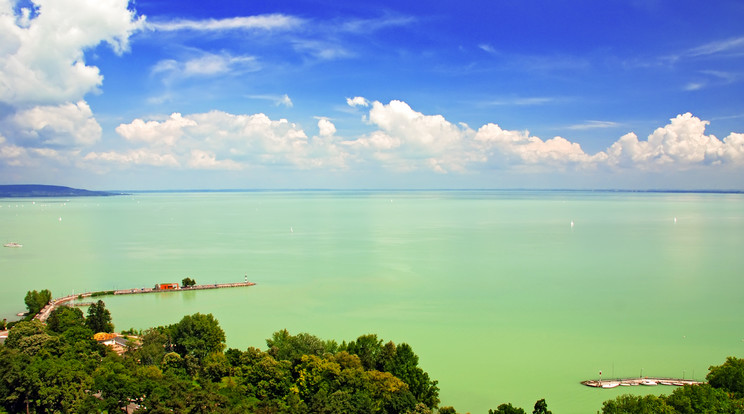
<point x="646" y="381"/>
<point x="69" y="300"/>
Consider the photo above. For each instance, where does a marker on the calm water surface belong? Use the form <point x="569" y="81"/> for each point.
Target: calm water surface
<point x="499" y="295"/>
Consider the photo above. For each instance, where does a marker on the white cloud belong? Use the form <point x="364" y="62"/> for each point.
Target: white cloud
<point x="520" y="147"/>
<point x="262" y="22"/>
<point x="277" y="99"/>
<point x="593" y="125"/>
<point x="134" y="157"/>
<point x="66" y="125"/>
<point x="205" y="65"/>
<point x="154" y="132"/>
<point x="41" y="54"/>
<point x="326" y="127"/>
<point x="357" y="101"/>
<point x="207" y="160"/>
<point x="681" y="144"/>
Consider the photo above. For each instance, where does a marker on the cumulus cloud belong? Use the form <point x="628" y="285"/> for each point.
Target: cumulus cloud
<point x="42" y="51"/>
<point x="326" y="127"/>
<point x="139" y="156"/>
<point x="682" y="143"/>
<point x="211" y="140"/>
<point x="67" y="125"/>
<point x="357" y="101"/>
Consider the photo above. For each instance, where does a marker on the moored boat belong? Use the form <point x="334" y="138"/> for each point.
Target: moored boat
<point x="12" y="244"/>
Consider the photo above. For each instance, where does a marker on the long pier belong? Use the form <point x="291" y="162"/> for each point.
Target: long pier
<point x="43" y="315"/>
<point x="647" y="381"/>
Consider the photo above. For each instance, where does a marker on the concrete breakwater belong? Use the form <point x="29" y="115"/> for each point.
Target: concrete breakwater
<point x="647" y="381"/>
<point x="68" y="300"/>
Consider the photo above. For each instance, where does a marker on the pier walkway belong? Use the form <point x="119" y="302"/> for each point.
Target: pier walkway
<point x="647" y="381"/>
<point x="43" y="315"/>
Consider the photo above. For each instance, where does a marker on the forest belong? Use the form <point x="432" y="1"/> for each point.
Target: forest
<point x="186" y="368"/>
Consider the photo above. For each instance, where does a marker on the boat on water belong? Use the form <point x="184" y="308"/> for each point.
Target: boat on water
<point x="12" y="244"/>
<point x="612" y="384"/>
<point x="649" y="382"/>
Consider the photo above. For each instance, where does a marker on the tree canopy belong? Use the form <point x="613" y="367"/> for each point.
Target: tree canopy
<point x="99" y="318"/>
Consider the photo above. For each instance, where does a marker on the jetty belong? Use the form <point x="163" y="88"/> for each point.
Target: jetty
<point x="645" y="381"/>
<point x="69" y="300"/>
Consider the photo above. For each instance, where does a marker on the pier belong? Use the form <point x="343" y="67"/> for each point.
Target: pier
<point x="69" y="300"/>
<point x="646" y="381"/>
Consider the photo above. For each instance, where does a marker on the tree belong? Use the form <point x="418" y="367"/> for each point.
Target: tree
<point x="284" y="346"/>
<point x="404" y="365"/>
<point x="35" y="301"/>
<point x="507" y="409"/>
<point x="187" y="282"/>
<point x="115" y="383"/>
<point x="728" y="377"/>
<point x="693" y="399"/>
<point x="198" y="335"/>
<point x="541" y="407"/>
<point x="65" y="317"/>
<point x="635" y="404"/>
<point x="99" y="318"/>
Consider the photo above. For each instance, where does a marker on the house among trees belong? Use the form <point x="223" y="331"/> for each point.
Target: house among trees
<point x="117" y="342"/>
<point x="167" y="286"/>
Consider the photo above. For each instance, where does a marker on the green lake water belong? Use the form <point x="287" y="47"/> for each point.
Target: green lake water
<point x="499" y="295"/>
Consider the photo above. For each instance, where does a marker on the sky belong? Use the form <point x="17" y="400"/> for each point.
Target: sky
<point x="157" y="94"/>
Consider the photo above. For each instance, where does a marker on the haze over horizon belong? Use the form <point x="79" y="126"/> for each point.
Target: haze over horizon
<point x="150" y="95"/>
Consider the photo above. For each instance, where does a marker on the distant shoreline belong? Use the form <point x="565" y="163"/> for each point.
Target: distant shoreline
<point x="38" y="190"/>
<point x="421" y="190"/>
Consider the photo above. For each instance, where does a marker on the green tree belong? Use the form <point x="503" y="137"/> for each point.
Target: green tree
<point x="369" y="349"/>
<point x="404" y="365"/>
<point x="284" y="346"/>
<point x="695" y="399"/>
<point x="99" y="318"/>
<point x="35" y="301"/>
<point x="28" y="337"/>
<point x="728" y="377"/>
<point x="65" y="317"/>
<point x="198" y="335"/>
<point x="507" y="409"/>
<point x="541" y="407"/>
<point x="115" y="383"/>
<point x="636" y="404"/>
<point x="187" y="282"/>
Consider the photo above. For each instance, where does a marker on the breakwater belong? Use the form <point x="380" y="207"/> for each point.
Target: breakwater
<point x="69" y="300"/>
<point x="647" y="381"/>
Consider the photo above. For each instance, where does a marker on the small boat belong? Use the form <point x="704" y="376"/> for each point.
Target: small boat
<point x="12" y="244"/>
<point x="666" y="383"/>
<point x="649" y="382"/>
<point x="610" y="384"/>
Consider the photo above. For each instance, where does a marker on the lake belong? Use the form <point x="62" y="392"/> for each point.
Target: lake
<point x="506" y="296"/>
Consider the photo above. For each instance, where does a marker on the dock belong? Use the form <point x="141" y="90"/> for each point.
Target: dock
<point x="69" y="300"/>
<point x="645" y="381"/>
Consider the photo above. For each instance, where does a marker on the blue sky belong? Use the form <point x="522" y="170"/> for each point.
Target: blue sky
<point x="155" y="94"/>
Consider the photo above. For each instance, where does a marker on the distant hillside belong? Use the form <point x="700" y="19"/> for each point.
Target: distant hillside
<point x="35" y="190"/>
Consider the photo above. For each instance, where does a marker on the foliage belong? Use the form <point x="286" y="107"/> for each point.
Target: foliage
<point x="188" y="282"/>
<point x="35" y="301"/>
<point x="99" y="318"/>
<point x="541" y="407"/>
<point x="507" y="408"/>
<point x="63" y="318"/>
<point x="728" y="377"/>
<point x="284" y="346"/>
<point x="197" y="335"/>
<point x="101" y="293"/>
<point x="648" y="404"/>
